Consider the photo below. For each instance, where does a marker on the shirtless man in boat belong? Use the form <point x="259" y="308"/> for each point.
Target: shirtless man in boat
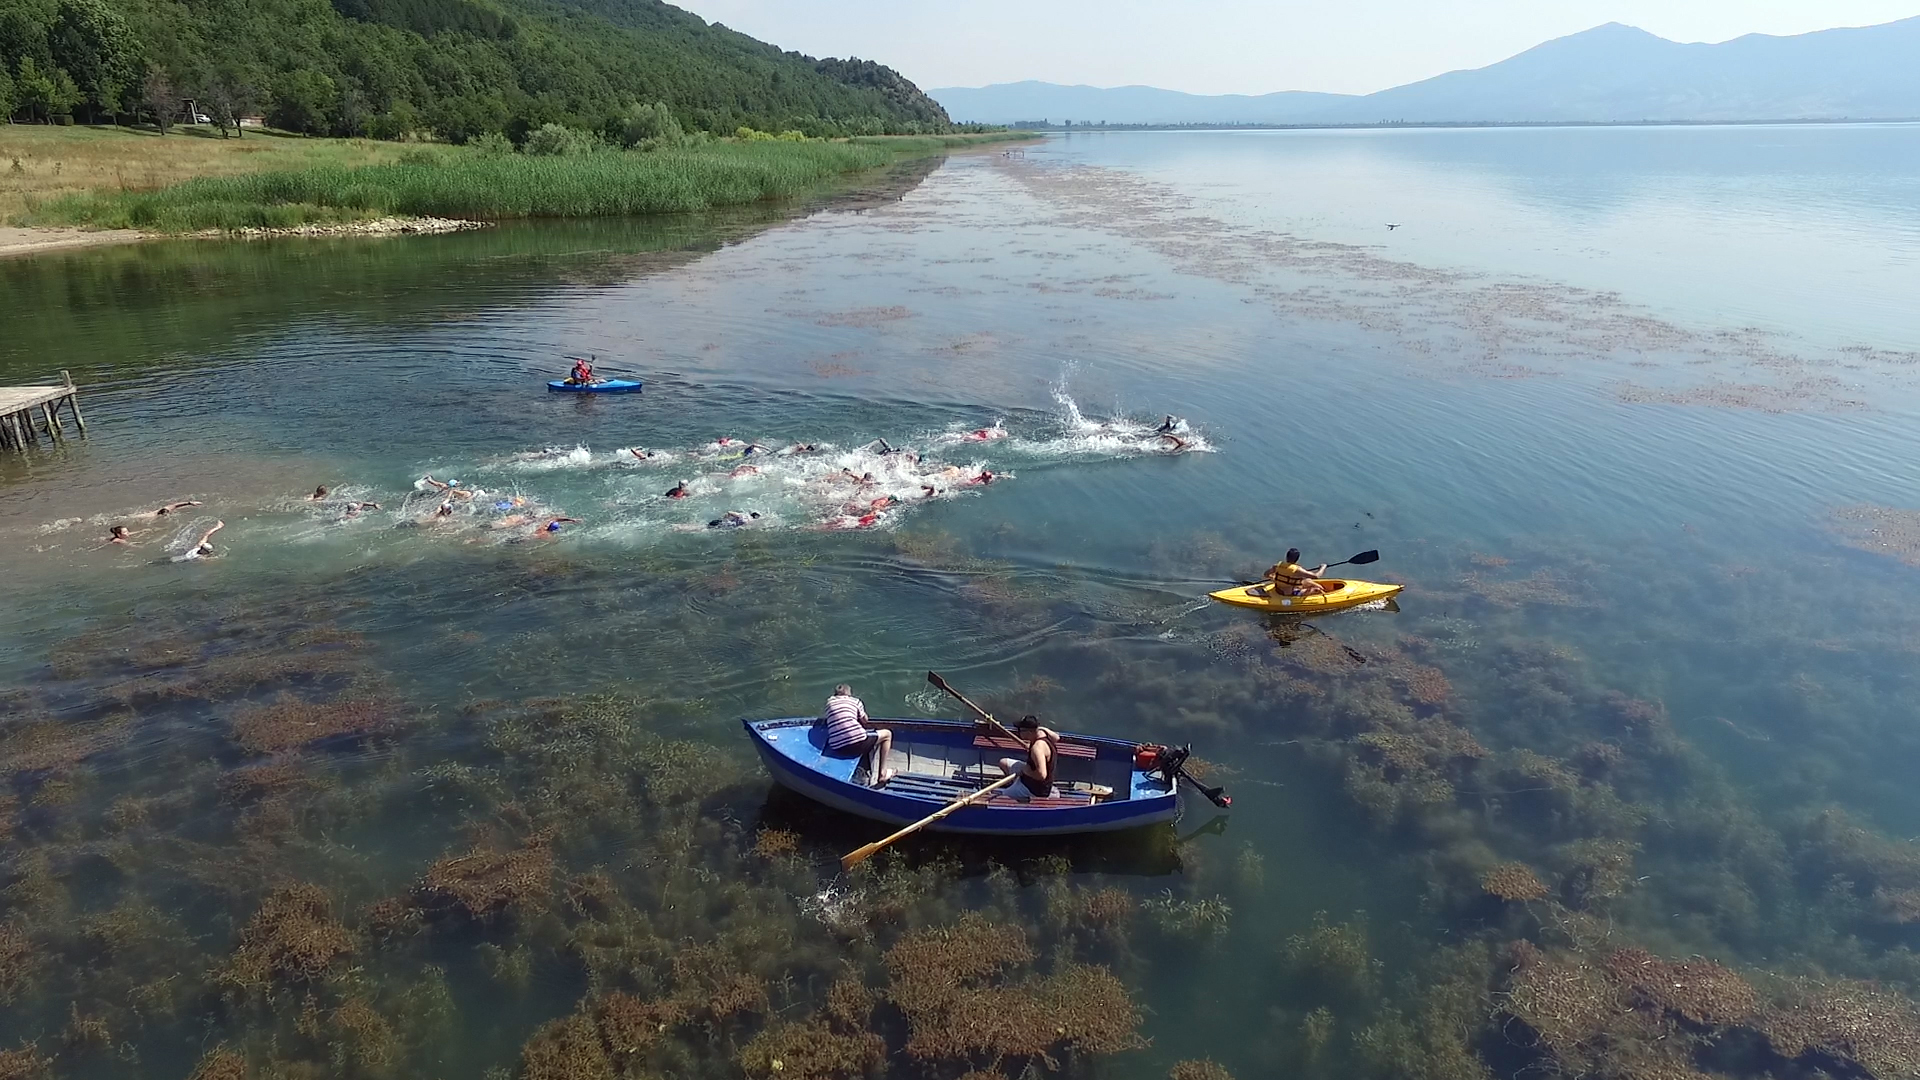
<point x="848" y="735"/>
<point x="1289" y="578"/>
<point x="1036" y="770"/>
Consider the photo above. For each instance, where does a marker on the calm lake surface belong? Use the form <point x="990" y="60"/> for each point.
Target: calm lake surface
<point x="1630" y="411"/>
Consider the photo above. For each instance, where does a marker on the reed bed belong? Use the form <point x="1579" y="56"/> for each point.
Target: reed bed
<point x="478" y="187"/>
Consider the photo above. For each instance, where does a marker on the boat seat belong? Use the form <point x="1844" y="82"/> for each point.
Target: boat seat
<point x="918" y="785"/>
<point x="1067" y="749"/>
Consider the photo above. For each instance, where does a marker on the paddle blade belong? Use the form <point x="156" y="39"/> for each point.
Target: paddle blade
<point x="859" y="855"/>
<point x="934" y="678"/>
<point x="1364" y="558"/>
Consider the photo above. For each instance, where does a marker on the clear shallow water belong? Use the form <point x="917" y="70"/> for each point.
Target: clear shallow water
<point x="1609" y="403"/>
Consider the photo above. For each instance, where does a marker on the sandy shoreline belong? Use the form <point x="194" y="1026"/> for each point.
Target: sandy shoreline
<point x="18" y="241"/>
<point x="31" y="241"/>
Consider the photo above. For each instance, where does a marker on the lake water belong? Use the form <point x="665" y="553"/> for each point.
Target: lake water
<point x="1629" y="411"/>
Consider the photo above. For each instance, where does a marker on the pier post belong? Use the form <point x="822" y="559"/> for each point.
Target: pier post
<point x="54" y="430"/>
<point x="73" y="401"/>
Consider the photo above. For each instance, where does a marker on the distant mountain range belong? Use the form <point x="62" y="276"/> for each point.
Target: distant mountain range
<point x="1610" y="74"/>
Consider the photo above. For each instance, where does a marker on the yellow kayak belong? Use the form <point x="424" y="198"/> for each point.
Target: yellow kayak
<point x="1339" y="596"/>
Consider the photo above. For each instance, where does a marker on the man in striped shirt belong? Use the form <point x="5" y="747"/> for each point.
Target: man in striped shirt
<point x="848" y="736"/>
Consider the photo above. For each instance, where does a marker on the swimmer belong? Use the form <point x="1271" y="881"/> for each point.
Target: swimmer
<point x="513" y="521"/>
<point x="678" y="491"/>
<point x="733" y="519"/>
<point x="553" y="525"/>
<point x="353" y="509"/>
<point x="438" y="485"/>
<point x="985" y="434"/>
<point x="171" y="507"/>
<point x="639" y="453"/>
<point x="1179" y="443"/>
<point x="1170" y="425"/>
<point x="928" y="491"/>
<point x="755" y="448"/>
<point x="445" y="510"/>
<point x="745" y="470"/>
<point x="203" y="547"/>
<point x="986" y="477"/>
<point x="800" y="448"/>
<point x="318" y="494"/>
<point x="863" y="480"/>
<point x="119" y="535"/>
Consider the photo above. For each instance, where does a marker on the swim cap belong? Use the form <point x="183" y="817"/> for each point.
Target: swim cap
<point x="503" y="504"/>
<point x="553" y="526"/>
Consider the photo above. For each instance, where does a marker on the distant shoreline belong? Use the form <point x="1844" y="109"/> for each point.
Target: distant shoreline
<point x="1394" y="125"/>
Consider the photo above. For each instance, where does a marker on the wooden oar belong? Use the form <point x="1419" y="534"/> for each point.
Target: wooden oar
<point x="934" y="678"/>
<point x="859" y="855"/>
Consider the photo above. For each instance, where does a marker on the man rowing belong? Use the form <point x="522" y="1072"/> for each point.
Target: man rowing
<point x="848" y="736"/>
<point x="1289" y="578"/>
<point x="1036" y="770"/>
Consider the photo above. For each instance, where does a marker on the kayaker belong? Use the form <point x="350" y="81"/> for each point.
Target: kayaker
<point x="1036" y="771"/>
<point x="848" y="735"/>
<point x="582" y="373"/>
<point x="1289" y="578"/>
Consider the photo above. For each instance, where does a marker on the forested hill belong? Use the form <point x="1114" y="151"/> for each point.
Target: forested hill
<point x="452" y="68"/>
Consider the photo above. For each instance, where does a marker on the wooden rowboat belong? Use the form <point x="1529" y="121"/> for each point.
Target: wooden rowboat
<point x="1096" y="789"/>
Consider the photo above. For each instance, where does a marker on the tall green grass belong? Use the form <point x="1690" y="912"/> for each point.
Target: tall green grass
<point x="474" y="186"/>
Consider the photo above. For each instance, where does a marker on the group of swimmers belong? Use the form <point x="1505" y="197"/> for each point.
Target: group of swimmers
<point x="859" y="508"/>
<point x="121" y="536"/>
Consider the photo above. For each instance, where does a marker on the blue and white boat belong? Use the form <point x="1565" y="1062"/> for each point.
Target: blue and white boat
<point x="1096" y="786"/>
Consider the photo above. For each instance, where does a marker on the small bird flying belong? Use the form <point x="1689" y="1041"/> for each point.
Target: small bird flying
<point x="1392" y="226"/>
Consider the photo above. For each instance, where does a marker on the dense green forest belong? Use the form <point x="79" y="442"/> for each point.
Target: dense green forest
<point x="452" y="69"/>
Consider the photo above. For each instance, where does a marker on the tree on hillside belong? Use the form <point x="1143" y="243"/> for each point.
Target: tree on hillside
<point x="303" y="101"/>
<point x="46" y="94"/>
<point x="6" y="94"/>
<point x="649" y="125"/>
<point x="229" y="94"/>
<point x="91" y="42"/>
<point x="156" y="94"/>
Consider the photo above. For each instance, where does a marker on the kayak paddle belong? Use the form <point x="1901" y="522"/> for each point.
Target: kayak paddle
<point x="1361" y="559"/>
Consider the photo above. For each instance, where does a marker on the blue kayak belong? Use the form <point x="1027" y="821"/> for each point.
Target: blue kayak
<point x="604" y="386"/>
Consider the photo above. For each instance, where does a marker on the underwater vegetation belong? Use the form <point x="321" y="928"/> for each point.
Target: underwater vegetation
<point x="238" y="841"/>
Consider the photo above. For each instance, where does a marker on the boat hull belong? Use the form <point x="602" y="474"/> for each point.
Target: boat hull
<point x="1343" y="594"/>
<point x="793" y="752"/>
<point x="608" y="386"/>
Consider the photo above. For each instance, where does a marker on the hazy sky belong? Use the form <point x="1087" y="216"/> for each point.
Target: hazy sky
<point x="1239" y="46"/>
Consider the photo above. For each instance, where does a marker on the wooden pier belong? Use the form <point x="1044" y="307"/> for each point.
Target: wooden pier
<point x="21" y="426"/>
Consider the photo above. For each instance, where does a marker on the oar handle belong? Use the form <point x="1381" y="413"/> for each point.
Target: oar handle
<point x="859" y="855"/>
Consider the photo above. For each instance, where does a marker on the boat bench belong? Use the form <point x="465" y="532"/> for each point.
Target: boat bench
<point x="944" y="789"/>
<point x="1066" y="749"/>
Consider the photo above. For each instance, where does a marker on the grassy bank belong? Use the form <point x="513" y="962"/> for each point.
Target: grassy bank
<point x="451" y="182"/>
<point x="56" y="162"/>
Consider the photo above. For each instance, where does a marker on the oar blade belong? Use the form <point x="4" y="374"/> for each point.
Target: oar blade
<point x="1365" y="557"/>
<point x="859" y="855"/>
<point x="940" y="683"/>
